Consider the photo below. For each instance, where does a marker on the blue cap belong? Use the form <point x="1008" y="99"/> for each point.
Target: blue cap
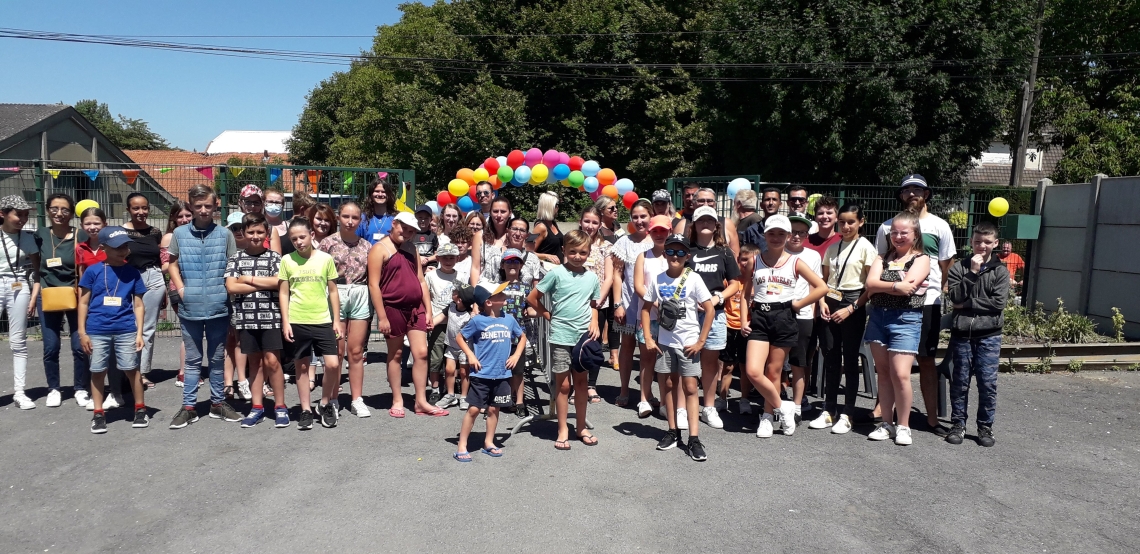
<point x="114" y="237"/>
<point x="586" y="355"/>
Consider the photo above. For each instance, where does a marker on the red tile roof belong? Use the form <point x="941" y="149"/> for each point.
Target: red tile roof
<point x="183" y="173"/>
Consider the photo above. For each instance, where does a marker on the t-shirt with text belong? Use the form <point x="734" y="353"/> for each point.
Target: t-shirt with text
<point x="490" y="339"/>
<point x="692" y="295"/>
<point x="259" y="309"/>
<point x="308" y="287"/>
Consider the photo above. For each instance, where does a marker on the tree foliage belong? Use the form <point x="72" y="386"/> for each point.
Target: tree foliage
<point x="793" y="90"/>
<point x="124" y="132"/>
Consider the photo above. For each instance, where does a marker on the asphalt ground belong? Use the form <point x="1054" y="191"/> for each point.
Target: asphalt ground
<point x="1063" y="477"/>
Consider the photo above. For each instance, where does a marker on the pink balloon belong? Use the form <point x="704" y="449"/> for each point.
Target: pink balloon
<point x="563" y="158"/>
<point x="550" y="158"/>
<point x="532" y="157"/>
<point x="597" y="192"/>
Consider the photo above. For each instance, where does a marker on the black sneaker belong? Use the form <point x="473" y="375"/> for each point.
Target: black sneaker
<point x="433" y="397"/>
<point x="957" y="433"/>
<point x="985" y="436"/>
<point x="697" y="450"/>
<point x="305" y="422"/>
<point x="224" y="411"/>
<point x="141" y="419"/>
<point x="940" y="430"/>
<point x="183" y="418"/>
<point x="521" y="411"/>
<point x="668" y="441"/>
<point x="328" y="415"/>
<point x="99" y="424"/>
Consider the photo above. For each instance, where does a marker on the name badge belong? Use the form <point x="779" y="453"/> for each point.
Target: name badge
<point x="775" y="288"/>
<point x="377" y="236"/>
<point x="895" y="266"/>
<point x="834" y="294"/>
<point x="54" y="262"/>
<point x="113" y="301"/>
<point x="17" y="285"/>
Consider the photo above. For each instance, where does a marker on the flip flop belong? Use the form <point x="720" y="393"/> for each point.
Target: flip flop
<point x="438" y="412"/>
<point x="594" y="399"/>
<point x="396" y="412"/>
<point x="586" y="440"/>
<point x="494" y="452"/>
<point x="148" y="384"/>
<point x="463" y="456"/>
<point x="565" y="445"/>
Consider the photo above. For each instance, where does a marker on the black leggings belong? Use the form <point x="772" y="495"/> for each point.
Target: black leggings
<point x="612" y="337"/>
<point x="842" y="340"/>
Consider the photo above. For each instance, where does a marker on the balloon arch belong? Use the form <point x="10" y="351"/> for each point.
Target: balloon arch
<point x="536" y="168"/>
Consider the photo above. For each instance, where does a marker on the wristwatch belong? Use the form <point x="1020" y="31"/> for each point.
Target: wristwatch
<point x="720" y="297"/>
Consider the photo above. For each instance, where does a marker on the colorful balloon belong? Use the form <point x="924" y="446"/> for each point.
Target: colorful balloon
<point x="458" y="187"/>
<point x="522" y="174"/>
<point x="561" y="171"/>
<point x="999" y="207"/>
<point x="466" y="204"/>
<point x="515" y="159"/>
<point x="736" y="185"/>
<point x="624" y="186"/>
<point x="576" y="178"/>
<point x="481" y="174"/>
<point x="628" y="199"/>
<point x="575" y="163"/>
<point x="563" y="158"/>
<point x="506" y="174"/>
<point x="491" y="165"/>
<point x="495" y="182"/>
<point x="611" y="191"/>
<point x="467" y="175"/>
<point x="444" y="198"/>
<point x="434" y="205"/>
<point x="538" y="173"/>
<point x="606" y="177"/>
<point x="590" y="168"/>
<point x="590" y="184"/>
<point x="502" y="160"/>
<point x="550" y="158"/>
<point x="532" y="157"/>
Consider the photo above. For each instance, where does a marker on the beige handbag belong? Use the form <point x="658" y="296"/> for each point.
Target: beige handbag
<point x="61" y="299"/>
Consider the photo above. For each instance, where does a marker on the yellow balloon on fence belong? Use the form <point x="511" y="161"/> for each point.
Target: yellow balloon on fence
<point x="458" y="188"/>
<point x="999" y="207"/>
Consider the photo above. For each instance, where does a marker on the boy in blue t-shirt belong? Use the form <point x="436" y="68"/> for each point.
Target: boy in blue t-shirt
<point x="111" y="294"/>
<point x="486" y="341"/>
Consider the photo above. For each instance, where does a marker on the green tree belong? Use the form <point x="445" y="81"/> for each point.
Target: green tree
<point x="124" y="132"/>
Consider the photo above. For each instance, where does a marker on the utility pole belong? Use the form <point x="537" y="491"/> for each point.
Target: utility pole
<point x="1027" y="103"/>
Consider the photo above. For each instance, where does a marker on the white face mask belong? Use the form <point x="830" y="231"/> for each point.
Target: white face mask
<point x="273" y="209"/>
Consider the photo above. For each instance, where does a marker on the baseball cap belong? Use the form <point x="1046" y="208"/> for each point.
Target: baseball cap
<point x="586" y="355"/>
<point x="234" y="217"/>
<point x="408" y="219"/>
<point x="799" y="218"/>
<point x="662" y="195"/>
<point x="447" y="249"/>
<point x="704" y="211"/>
<point x="114" y="236"/>
<point x="677" y="239"/>
<point x="512" y="254"/>
<point x="425" y="208"/>
<point x="14" y="202"/>
<point x="778" y="222"/>
<point x="660" y="222"/>
<point x="251" y="190"/>
<point x="912" y="180"/>
<point x="466" y="294"/>
<point x="486" y="290"/>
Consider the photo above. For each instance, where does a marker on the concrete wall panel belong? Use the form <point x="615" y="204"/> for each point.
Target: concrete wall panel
<point x="1062" y="247"/>
<point x="1053" y="284"/>
<point x="1119" y="201"/>
<point x="1110" y="288"/>
<point x="1115" y="248"/>
<point x="1067" y="205"/>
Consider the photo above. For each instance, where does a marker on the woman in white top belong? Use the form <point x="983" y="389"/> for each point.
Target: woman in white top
<point x="649" y="264"/>
<point x="19" y="282"/>
<point x="770" y="320"/>
<point x="625" y="253"/>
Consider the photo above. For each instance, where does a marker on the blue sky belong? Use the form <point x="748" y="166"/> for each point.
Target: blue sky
<point x="187" y="98"/>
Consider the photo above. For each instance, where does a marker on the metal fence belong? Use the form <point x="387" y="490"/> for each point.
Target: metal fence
<point x="109" y="184"/>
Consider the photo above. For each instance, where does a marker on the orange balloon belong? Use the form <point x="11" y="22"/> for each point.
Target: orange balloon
<point x="467" y="175"/>
<point x="610" y="191"/>
<point x="606" y="177"/>
<point x="495" y="182"/>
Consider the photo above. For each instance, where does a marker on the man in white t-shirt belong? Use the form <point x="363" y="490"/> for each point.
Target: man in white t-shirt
<point x="938" y="243"/>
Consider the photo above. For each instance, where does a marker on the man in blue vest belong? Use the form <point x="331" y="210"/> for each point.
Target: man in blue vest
<point x="198" y="254"/>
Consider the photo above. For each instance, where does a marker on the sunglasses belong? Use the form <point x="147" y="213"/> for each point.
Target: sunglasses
<point x="679" y="253"/>
<point x="481" y="194"/>
<point x="611" y="209"/>
<point x="797" y="200"/>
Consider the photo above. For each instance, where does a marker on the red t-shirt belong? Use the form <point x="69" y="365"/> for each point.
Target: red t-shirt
<point x="820" y="244"/>
<point x="85" y="257"/>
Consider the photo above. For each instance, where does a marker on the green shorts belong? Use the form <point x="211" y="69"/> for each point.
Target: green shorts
<point x="355" y="304"/>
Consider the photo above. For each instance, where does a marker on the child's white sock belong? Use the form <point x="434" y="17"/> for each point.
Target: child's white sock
<point x="798" y="410"/>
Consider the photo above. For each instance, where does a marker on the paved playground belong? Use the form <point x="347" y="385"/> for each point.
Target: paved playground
<point x="1062" y="478"/>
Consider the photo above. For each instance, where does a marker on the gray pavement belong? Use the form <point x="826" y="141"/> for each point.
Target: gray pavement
<point x="1063" y="477"/>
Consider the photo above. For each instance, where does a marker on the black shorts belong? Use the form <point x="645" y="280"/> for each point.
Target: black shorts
<point x="318" y="339"/>
<point x="488" y="393"/>
<point x="777" y="327"/>
<point x="254" y="341"/>
<point x="737" y="348"/>
<point x="931" y="326"/>
<point x="800" y="355"/>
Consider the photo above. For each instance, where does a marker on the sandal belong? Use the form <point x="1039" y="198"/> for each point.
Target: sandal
<point x="463" y="456"/>
<point x="621" y="401"/>
<point x="147" y="384"/>
<point x="494" y="452"/>
<point x="562" y="445"/>
<point x="437" y="412"/>
<point x="312" y="385"/>
<point x="593" y="398"/>
<point x="588" y="439"/>
<point x="396" y="412"/>
<point x="228" y="391"/>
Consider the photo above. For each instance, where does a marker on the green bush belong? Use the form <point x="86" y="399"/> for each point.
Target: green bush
<point x="1060" y="326"/>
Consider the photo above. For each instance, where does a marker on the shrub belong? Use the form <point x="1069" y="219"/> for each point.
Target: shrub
<point x="1060" y="326"/>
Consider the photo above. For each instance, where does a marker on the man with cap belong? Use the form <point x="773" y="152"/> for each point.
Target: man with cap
<point x="938" y="243"/>
<point x="425" y="240"/>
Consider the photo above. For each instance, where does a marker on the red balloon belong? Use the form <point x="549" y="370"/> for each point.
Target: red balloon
<point x="628" y="199"/>
<point x="491" y="165"/>
<point x="515" y="159"/>
<point x="575" y="163"/>
<point x="444" y="198"/>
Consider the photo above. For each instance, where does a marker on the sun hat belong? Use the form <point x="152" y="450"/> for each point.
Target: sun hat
<point x="778" y="222"/>
<point x="704" y="211"/>
<point x="660" y="222"/>
<point x="408" y="219"/>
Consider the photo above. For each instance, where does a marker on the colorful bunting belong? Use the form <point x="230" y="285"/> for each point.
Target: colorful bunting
<point x="9" y="169"/>
<point x="165" y="169"/>
<point x="236" y="171"/>
<point x="382" y="174"/>
<point x="274" y="174"/>
<point x="92" y="173"/>
<point x="131" y="175"/>
<point x="54" y="173"/>
<point x="346" y="178"/>
<point x="207" y="171"/>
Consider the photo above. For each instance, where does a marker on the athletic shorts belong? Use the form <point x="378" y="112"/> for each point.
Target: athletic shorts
<point x="402" y="321"/>
<point x="319" y="340"/>
<point x="355" y="303"/>
<point x="437" y="348"/>
<point x="931" y="326"/>
<point x="674" y="360"/>
<point x="490" y="393"/>
<point x="736" y="349"/>
<point x="456" y="354"/>
<point x="800" y="355"/>
<point x="254" y="341"/>
<point x="718" y="333"/>
<point x="777" y="327"/>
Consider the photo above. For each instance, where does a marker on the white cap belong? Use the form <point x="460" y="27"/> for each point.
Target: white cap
<point x="408" y="218"/>
<point x="704" y="211"/>
<point x="777" y="222"/>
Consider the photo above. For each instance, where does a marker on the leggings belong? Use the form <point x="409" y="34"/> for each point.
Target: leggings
<point x="605" y="315"/>
<point x="842" y="340"/>
<point x="15" y="303"/>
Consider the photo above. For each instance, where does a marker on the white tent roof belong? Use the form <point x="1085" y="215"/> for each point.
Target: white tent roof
<point x="249" y="141"/>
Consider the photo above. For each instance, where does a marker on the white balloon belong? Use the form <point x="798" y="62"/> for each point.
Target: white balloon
<point x="502" y="161"/>
<point x="433" y="205"/>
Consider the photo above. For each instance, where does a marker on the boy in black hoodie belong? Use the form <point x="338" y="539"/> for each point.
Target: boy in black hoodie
<point x="979" y="287"/>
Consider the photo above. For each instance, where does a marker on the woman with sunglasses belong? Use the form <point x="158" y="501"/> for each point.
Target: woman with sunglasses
<point x="611" y="229"/>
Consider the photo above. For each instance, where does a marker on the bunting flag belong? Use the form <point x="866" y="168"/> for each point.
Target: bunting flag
<point x="346" y="178"/>
<point x="401" y="205"/>
<point x="92" y="173"/>
<point x="54" y="173"/>
<point x="236" y="171"/>
<point x="274" y="174"/>
<point x="131" y="175"/>
<point x="207" y="171"/>
<point x="314" y="176"/>
<point x="382" y="174"/>
<point x="165" y="169"/>
<point x="9" y="169"/>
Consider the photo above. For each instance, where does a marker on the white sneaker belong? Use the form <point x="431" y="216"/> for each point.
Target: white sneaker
<point x="89" y="406"/>
<point x="682" y="419"/>
<point x="788" y="415"/>
<point x="243" y="390"/>
<point x="644" y="409"/>
<point x="720" y="404"/>
<point x="710" y="417"/>
<point x="902" y="436"/>
<point x="764" y="430"/>
<point x="114" y="400"/>
<point x="842" y="426"/>
<point x="882" y="432"/>
<point x="82" y="399"/>
<point x="463" y="405"/>
<point x="22" y="401"/>
<point x="54" y="399"/>
<point x="358" y="409"/>
<point x="821" y="422"/>
<point x="744" y="406"/>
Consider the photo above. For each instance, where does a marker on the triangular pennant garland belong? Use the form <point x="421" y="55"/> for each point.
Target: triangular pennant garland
<point x="207" y="171"/>
<point x="314" y="176"/>
<point x="92" y="173"/>
<point x="131" y="175"/>
<point x="274" y="174"/>
<point x="165" y="169"/>
<point x="54" y="173"/>
<point x="347" y="178"/>
<point x="236" y="171"/>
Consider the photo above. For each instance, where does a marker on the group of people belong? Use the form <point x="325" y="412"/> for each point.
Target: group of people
<point x="701" y="297"/>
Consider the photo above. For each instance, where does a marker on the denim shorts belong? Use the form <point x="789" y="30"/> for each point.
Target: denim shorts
<point x="653" y="328"/>
<point x="121" y="346"/>
<point x="898" y="330"/>
<point x="718" y="333"/>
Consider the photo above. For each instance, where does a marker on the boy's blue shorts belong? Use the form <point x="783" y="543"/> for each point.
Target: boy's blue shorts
<point x="121" y="346"/>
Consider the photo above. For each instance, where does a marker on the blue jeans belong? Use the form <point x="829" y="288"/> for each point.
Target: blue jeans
<point x="51" y="324"/>
<point x="215" y="331"/>
<point x="976" y="358"/>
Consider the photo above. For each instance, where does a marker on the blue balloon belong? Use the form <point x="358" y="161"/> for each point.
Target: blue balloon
<point x="466" y="204"/>
<point x="624" y="185"/>
<point x="590" y="184"/>
<point x="560" y="172"/>
<point x="591" y="168"/>
<point x="522" y="175"/>
<point x="516" y="183"/>
<point x="434" y="206"/>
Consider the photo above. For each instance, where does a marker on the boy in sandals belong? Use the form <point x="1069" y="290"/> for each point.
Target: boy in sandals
<point x="486" y="341"/>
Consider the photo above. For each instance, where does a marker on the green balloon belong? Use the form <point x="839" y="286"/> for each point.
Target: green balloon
<point x="576" y="178"/>
<point x="505" y="174"/>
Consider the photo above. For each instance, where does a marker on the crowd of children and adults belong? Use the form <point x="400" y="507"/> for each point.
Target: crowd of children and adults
<point x="706" y="301"/>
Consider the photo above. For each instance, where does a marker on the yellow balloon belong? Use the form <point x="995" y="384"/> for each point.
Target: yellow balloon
<point x="999" y="207"/>
<point x="458" y="188"/>
<point x="538" y="173"/>
<point x="481" y="174"/>
<point x="83" y="205"/>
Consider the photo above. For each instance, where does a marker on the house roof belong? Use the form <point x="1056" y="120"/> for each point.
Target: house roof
<point x="998" y="174"/>
<point x="17" y="117"/>
<point x="250" y="141"/>
<point x="182" y="165"/>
